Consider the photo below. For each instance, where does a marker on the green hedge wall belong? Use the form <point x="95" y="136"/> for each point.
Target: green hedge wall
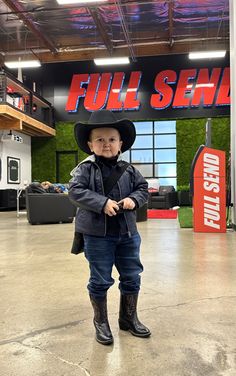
<point x="190" y="134"/>
<point x="44" y="153"/>
<point x="43" y="159"/>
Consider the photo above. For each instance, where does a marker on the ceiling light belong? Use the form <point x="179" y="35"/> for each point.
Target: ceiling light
<point x="66" y="2"/>
<point x="206" y="55"/>
<point x="112" y="61"/>
<point x="22" y="64"/>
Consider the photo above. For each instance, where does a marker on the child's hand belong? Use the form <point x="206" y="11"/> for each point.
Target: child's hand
<point x="127" y="203"/>
<point x="111" y="208"/>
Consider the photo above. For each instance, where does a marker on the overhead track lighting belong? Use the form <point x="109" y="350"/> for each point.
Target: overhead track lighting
<point x="206" y="55"/>
<point x="67" y="2"/>
<point x="112" y="61"/>
<point x="22" y="64"/>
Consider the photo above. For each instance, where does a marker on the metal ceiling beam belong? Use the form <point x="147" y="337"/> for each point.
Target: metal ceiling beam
<point x="70" y="43"/>
<point x="16" y="7"/>
<point x="100" y="26"/>
<point x="170" y="17"/>
<point x="222" y="18"/>
<point x="125" y="29"/>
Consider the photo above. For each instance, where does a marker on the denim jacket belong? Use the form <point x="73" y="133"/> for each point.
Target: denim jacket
<point x="86" y="191"/>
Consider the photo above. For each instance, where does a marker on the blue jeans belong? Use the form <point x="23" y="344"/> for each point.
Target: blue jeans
<point x="104" y="252"/>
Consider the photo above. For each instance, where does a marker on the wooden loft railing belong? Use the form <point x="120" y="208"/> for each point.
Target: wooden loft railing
<point x="23" y="110"/>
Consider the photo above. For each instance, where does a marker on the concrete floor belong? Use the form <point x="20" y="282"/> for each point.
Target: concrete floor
<point x="188" y="299"/>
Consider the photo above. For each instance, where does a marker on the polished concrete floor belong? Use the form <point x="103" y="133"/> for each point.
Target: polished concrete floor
<point x="188" y="299"/>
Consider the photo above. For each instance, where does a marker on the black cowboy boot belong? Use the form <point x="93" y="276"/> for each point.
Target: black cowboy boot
<point x="103" y="331"/>
<point x="128" y="319"/>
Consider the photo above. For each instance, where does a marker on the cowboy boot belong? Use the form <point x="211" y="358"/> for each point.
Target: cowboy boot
<point x="128" y="319"/>
<point x="103" y="331"/>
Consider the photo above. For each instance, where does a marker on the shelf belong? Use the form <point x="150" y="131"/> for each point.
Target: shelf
<point x="13" y="119"/>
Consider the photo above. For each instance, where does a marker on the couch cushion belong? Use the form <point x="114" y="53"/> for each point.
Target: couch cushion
<point x="35" y="188"/>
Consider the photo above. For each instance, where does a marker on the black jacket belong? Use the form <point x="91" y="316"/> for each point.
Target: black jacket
<point x="87" y="192"/>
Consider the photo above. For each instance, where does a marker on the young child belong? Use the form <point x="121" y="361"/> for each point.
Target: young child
<point x="110" y="237"/>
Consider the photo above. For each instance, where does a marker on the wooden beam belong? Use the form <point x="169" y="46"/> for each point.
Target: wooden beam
<point x="27" y="129"/>
<point x="153" y="48"/>
<point x="13" y="124"/>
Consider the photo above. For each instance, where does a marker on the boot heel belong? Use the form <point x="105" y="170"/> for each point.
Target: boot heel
<point x="123" y="325"/>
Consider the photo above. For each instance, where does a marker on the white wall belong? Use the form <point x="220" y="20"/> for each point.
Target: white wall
<point x="16" y="150"/>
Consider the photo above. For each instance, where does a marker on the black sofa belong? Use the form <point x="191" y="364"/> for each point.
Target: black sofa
<point x="49" y="208"/>
<point x="165" y="198"/>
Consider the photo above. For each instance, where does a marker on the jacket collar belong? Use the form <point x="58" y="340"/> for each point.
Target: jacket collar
<point x="91" y="159"/>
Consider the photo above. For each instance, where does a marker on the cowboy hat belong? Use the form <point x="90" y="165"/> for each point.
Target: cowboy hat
<point x="105" y="119"/>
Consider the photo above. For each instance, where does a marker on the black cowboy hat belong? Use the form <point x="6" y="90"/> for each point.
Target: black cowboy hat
<point x="105" y="119"/>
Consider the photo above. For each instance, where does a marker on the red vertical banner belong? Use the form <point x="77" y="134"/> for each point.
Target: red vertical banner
<point x="209" y="190"/>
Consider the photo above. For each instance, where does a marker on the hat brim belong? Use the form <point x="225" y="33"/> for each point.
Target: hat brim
<point x="124" y="126"/>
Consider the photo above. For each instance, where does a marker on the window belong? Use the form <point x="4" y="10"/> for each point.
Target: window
<point x="142" y="156"/>
<point x="143" y="142"/>
<point x="165" y="155"/>
<point x="165" y="170"/>
<point x="154" y="151"/>
<point x="164" y="126"/>
<point x="144" y="127"/>
<point x="165" y="141"/>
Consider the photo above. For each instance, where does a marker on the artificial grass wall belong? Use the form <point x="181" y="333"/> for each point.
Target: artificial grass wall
<point x="190" y="134"/>
<point x="43" y="158"/>
<point x="44" y="153"/>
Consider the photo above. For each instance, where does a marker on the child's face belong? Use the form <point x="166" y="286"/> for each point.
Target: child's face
<point x="105" y="142"/>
